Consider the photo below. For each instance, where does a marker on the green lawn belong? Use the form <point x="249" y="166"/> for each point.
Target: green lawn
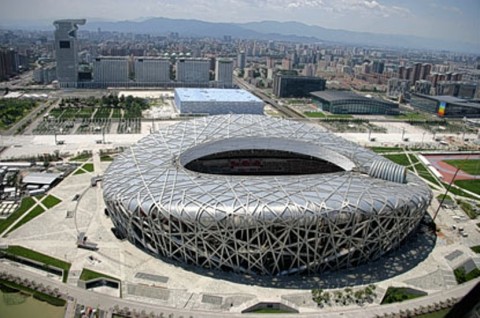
<point x="315" y="114"/>
<point x="470" y="166"/>
<point x="386" y="149"/>
<point x="468" y="209"/>
<point x="88" y="274"/>
<point x="106" y="158"/>
<point x="470" y="185"/>
<point x="270" y="311"/>
<point x="459" y="191"/>
<point x="323" y="115"/>
<point x="463" y="277"/>
<point x="88" y="167"/>
<point x="26" y="204"/>
<point x="401" y="159"/>
<point x="82" y="157"/>
<point x="447" y="197"/>
<point x="50" y="201"/>
<point x="423" y="172"/>
<point x="399" y="294"/>
<point x="79" y="171"/>
<point x="30" y="216"/>
<point x="412" y="116"/>
<point x="476" y="249"/>
<point x="39" y="257"/>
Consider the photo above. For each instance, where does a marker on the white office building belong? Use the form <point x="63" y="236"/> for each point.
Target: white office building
<point x="215" y="101"/>
<point x="224" y="73"/>
<point x="111" y="70"/>
<point x="193" y="71"/>
<point x="66" y="51"/>
<point x="152" y="70"/>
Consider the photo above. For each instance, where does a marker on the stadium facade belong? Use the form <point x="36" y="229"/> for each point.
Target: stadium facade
<point x="217" y="101"/>
<point x="258" y="195"/>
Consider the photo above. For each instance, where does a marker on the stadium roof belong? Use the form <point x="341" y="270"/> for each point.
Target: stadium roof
<point x="215" y="94"/>
<point x="148" y="169"/>
<point x="41" y="178"/>
<point x="336" y="96"/>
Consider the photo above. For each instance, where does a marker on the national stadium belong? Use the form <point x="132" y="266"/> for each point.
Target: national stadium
<point x="258" y="195"/>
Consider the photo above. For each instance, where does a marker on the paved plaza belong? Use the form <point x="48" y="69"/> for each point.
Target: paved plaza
<point x="424" y="262"/>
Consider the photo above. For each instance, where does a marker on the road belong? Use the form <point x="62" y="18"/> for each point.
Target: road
<point x="108" y="303"/>
<point x="285" y="110"/>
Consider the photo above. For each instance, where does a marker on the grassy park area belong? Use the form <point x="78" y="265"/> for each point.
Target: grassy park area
<point x="21" y="251"/>
<point x="470" y="166"/>
<point x="12" y="110"/>
<point x="401" y="159"/>
<point x="399" y="294"/>
<point x="50" y="201"/>
<point x="30" y="216"/>
<point x="462" y="276"/>
<point x="470" y="185"/>
<point x="87" y="167"/>
<point x="25" y="205"/>
<point x="319" y="114"/>
<point x="88" y="274"/>
<point x="386" y="149"/>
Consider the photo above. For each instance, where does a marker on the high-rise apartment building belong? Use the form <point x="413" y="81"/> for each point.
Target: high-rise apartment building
<point x="309" y="70"/>
<point x="378" y="67"/>
<point x="110" y="71"/>
<point x="3" y="67"/>
<point x="287" y="64"/>
<point x="224" y="73"/>
<point x="398" y="88"/>
<point x="423" y="87"/>
<point x="456" y="89"/>
<point x="9" y="63"/>
<point x="193" y="71"/>
<point x="425" y="71"/>
<point x="66" y="51"/>
<point x="416" y="72"/>
<point x="241" y="60"/>
<point x="152" y="70"/>
<point x="270" y="62"/>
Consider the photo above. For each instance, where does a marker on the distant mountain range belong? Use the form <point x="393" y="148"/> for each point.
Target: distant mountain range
<point x="293" y="31"/>
<point x="278" y="31"/>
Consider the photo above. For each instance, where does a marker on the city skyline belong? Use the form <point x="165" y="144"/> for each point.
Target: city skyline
<point x="452" y="20"/>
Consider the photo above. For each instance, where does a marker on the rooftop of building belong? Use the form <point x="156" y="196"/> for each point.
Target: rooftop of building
<point x="452" y="100"/>
<point x="41" y="178"/>
<point x="335" y="96"/>
<point x="161" y="58"/>
<point x="123" y="58"/>
<point x="299" y="77"/>
<point x="215" y="94"/>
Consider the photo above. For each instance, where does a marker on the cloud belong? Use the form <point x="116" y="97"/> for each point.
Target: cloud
<point x="451" y="9"/>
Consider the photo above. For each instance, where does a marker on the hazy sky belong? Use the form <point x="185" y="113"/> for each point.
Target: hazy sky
<point x="453" y="19"/>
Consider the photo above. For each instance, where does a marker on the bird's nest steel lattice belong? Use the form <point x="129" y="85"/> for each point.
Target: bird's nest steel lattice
<point x="259" y="195"/>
